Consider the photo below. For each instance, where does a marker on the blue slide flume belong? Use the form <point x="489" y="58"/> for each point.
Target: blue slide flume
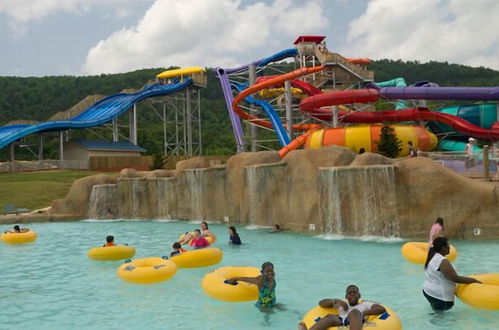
<point x="98" y="114"/>
<point x="281" y="132"/>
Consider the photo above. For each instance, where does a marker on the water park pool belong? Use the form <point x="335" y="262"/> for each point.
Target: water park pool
<point x="51" y="284"/>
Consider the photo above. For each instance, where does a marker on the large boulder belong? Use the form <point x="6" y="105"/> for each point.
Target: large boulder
<point x="427" y="190"/>
<point x="77" y="199"/>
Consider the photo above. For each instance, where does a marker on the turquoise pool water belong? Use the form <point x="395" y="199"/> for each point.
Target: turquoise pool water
<point x="51" y="284"/>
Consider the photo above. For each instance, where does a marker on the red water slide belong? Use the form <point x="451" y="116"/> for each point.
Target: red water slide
<point x="313" y="105"/>
<point x="269" y="83"/>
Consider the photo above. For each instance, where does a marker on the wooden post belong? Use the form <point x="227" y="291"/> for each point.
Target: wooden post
<point x="486" y="173"/>
<point x="61" y="145"/>
<point x="40" y="146"/>
<point x="12" y="152"/>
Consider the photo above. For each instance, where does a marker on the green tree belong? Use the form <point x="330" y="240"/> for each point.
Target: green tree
<point x="388" y="143"/>
<point x="158" y="161"/>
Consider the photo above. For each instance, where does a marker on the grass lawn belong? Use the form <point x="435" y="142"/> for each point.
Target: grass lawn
<point x="36" y="190"/>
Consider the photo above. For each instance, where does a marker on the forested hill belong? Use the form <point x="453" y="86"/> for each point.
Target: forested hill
<point x="38" y="98"/>
<point x="444" y="74"/>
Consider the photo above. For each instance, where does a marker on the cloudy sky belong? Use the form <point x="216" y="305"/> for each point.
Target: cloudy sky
<point x="82" y="37"/>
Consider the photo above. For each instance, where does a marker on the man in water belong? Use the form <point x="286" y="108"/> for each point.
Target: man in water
<point x="350" y="312"/>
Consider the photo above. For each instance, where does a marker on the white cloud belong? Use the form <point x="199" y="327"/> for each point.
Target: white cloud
<point x="205" y="33"/>
<point x="25" y="10"/>
<point x="457" y="31"/>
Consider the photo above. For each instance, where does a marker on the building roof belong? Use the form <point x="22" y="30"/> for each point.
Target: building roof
<point x="316" y="39"/>
<point x="107" y="145"/>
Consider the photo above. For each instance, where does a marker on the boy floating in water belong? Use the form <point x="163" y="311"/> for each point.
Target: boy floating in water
<point x="177" y="249"/>
<point x="275" y="228"/>
<point x="109" y="241"/>
<point x="16" y="230"/>
<point x="350" y="313"/>
<point x="266" y="285"/>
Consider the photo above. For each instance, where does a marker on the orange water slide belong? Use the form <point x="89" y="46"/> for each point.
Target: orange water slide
<point x="267" y="84"/>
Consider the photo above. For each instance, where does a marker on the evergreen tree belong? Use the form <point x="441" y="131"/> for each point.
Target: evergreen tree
<point x="388" y="143"/>
<point x="158" y="161"/>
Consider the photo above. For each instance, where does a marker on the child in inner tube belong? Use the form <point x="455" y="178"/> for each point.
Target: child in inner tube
<point x="198" y="241"/>
<point x="177" y="249"/>
<point x="265" y="282"/>
<point x="109" y="241"/>
<point x="16" y="230"/>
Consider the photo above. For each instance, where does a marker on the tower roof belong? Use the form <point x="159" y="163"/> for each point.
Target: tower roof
<point x="316" y="39"/>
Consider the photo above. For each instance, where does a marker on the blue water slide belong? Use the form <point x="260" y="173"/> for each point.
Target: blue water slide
<point x="287" y="53"/>
<point x="282" y="135"/>
<point x="98" y="114"/>
<point x="226" y="87"/>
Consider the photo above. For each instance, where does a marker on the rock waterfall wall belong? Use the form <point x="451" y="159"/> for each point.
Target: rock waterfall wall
<point x="103" y="201"/>
<point x="325" y="191"/>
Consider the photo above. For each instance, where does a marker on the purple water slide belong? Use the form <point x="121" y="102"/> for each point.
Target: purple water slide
<point x="229" y="97"/>
<point x="234" y="119"/>
<point x="440" y="93"/>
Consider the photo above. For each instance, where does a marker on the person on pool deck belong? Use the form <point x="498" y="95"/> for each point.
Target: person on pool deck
<point x="436" y="230"/>
<point x="198" y="241"/>
<point x="412" y="151"/>
<point x="16" y="230"/>
<point x="234" y="236"/>
<point x="350" y="312"/>
<point x="441" y="277"/>
<point x="109" y="241"/>
<point x="177" y="249"/>
<point x="266" y="285"/>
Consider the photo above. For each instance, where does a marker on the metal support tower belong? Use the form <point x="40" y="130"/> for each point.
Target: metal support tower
<point x="181" y="117"/>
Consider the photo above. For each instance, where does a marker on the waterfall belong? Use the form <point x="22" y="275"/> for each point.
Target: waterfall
<point x="165" y="198"/>
<point x="252" y="194"/>
<point x="194" y="179"/>
<point x="359" y="200"/>
<point x="103" y="202"/>
<point x="133" y="198"/>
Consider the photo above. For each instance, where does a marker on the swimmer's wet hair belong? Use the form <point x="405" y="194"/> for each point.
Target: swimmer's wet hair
<point x="266" y="264"/>
<point x="352" y="286"/>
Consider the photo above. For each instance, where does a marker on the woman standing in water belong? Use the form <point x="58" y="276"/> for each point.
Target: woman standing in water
<point x="441" y="277"/>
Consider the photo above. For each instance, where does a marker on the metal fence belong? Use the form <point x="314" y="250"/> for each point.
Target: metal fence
<point x="37" y="165"/>
<point x="458" y="162"/>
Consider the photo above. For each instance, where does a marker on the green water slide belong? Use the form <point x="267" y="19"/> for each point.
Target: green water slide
<point x="482" y="115"/>
<point x="397" y="82"/>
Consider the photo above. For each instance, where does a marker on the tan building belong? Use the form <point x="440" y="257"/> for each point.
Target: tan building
<point x="82" y="150"/>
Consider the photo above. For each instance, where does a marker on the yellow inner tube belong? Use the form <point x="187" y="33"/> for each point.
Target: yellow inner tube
<point x="198" y="258"/>
<point x="485" y="296"/>
<point x="417" y="252"/>
<point x="18" y="238"/>
<point x="388" y="320"/>
<point x="111" y="253"/>
<point x="208" y="238"/>
<point x="147" y="270"/>
<point x="214" y="286"/>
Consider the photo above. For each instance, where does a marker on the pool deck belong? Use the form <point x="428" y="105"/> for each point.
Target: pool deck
<point x="36" y="217"/>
